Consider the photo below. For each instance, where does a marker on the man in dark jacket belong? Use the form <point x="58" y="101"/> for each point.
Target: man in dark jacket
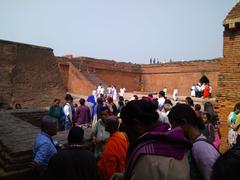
<point x="74" y="162"/>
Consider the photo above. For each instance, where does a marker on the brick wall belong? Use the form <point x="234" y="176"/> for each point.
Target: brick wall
<point x="180" y="75"/>
<point x="64" y="72"/>
<point x="8" y="55"/>
<point x="228" y="93"/>
<point x="108" y="72"/>
<point x="78" y="83"/>
<point x="155" y="77"/>
<point x="30" y="75"/>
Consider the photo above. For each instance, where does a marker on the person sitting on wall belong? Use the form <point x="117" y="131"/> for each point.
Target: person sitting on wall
<point x="206" y="91"/>
<point x="175" y="94"/>
<point x="18" y="106"/>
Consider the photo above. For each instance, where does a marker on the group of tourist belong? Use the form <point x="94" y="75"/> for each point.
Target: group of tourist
<point x="201" y="90"/>
<point x="147" y="138"/>
<point x="111" y="91"/>
<point x="69" y="113"/>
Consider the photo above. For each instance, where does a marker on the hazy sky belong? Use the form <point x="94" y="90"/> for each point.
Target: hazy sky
<point x="121" y="30"/>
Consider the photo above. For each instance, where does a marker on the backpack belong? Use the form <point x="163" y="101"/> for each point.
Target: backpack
<point x="194" y="172"/>
<point x="217" y="141"/>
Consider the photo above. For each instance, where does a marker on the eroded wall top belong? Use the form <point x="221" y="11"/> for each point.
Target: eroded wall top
<point x="29" y="75"/>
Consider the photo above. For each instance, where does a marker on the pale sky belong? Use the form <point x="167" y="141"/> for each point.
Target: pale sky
<point x="122" y="30"/>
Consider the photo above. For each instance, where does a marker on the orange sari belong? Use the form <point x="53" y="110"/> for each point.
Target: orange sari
<point x="113" y="156"/>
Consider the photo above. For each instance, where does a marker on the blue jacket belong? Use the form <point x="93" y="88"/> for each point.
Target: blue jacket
<point x="44" y="148"/>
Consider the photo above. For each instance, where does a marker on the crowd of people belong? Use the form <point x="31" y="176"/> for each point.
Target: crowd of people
<point x="141" y="138"/>
<point x="111" y="91"/>
<point x="201" y="90"/>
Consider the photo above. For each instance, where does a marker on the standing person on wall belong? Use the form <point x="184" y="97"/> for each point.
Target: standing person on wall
<point x="175" y="94"/>
<point x="206" y="92"/>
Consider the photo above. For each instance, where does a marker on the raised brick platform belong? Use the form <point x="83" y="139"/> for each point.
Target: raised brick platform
<point x="18" y="131"/>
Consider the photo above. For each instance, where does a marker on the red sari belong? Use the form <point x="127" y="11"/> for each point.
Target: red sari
<point x="206" y="92"/>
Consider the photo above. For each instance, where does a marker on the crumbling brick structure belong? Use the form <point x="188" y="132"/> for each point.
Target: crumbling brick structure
<point x="29" y="75"/>
<point x="228" y="92"/>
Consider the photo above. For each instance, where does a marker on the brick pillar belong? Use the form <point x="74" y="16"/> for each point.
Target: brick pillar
<point x="228" y="93"/>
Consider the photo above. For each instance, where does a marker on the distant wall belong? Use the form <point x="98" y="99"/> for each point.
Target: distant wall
<point x="108" y="72"/>
<point x="29" y="75"/>
<point x="180" y="75"/>
<point x="155" y="77"/>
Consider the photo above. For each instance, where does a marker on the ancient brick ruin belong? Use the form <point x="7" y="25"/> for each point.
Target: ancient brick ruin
<point x="229" y="78"/>
<point x="155" y="77"/>
<point x="33" y="76"/>
<point x="29" y="75"/>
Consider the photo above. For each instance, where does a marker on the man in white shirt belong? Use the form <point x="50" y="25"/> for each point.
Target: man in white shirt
<point x="109" y="91"/>
<point x="67" y="109"/>
<point x="102" y="90"/>
<point x="165" y="91"/>
<point x="114" y="93"/>
<point x="193" y="90"/>
<point x="161" y="100"/>
<point x="122" y="91"/>
<point x="99" y="89"/>
<point x="175" y="93"/>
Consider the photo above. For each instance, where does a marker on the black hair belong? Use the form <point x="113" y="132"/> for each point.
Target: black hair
<point x="99" y="100"/>
<point x="208" y="115"/>
<point x="183" y="113"/>
<point x="155" y="102"/>
<point x="208" y="107"/>
<point x="18" y="106"/>
<point x="121" y="98"/>
<point x="82" y="101"/>
<point x="189" y="101"/>
<point x="237" y="106"/>
<point x="47" y="121"/>
<point x="227" y="166"/>
<point x="75" y="135"/>
<point x="141" y="110"/>
<point x="162" y="93"/>
<point x="55" y="100"/>
<point x="168" y="101"/>
<point x="120" y="103"/>
<point x="104" y="108"/>
<point x="68" y="97"/>
<point x="112" y="124"/>
<point x="150" y="95"/>
<point x="197" y="107"/>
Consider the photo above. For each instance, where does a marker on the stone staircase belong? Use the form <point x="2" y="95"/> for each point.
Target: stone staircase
<point x="94" y="78"/>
